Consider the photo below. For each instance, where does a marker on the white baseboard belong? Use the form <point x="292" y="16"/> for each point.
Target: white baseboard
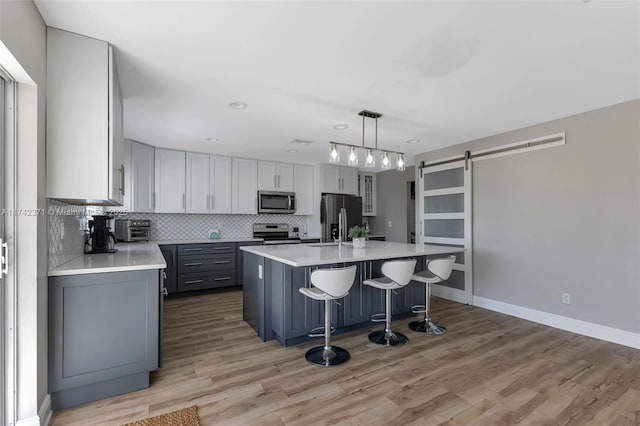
<point x="44" y="413"/>
<point x="609" y="334"/>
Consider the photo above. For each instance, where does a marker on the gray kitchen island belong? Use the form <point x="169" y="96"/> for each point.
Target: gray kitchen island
<point x="273" y="275"/>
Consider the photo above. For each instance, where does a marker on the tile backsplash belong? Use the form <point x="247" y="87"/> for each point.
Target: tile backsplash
<point x="67" y="224"/>
<point x="166" y="226"/>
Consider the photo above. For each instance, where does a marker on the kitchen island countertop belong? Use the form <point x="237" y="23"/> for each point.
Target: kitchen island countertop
<point x="327" y="253"/>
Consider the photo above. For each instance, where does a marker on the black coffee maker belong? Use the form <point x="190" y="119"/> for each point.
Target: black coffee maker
<point x="100" y="239"/>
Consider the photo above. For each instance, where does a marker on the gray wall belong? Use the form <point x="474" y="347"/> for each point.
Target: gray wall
<point x="23" y="32"/>
<point x="562" y="219"/>
<point x="391" y="204"/>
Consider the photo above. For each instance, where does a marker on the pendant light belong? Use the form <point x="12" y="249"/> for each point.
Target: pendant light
<point x="334" y="155"/>
<point x="370" y="158"/>
<point x="353" y="157"/>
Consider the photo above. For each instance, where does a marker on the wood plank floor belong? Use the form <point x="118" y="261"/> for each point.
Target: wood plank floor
<point x="489" y="369"/>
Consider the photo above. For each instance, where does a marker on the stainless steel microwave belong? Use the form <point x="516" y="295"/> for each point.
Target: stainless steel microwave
<point x="276" y="202"/>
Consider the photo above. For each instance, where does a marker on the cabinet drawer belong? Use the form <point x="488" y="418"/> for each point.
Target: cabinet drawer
<point x="187" y="249"/>
<point x="203" y="281"/>
<point x="206" y="262"/>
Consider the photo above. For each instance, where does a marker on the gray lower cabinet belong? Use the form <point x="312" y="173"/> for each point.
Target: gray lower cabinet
<point x="170" y="254"/>
<point x="205" y="266"/>
<point x="104" y="335"/>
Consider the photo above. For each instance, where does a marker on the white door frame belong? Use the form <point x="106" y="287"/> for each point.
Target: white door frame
<point x="8" y="283"/>
<point x="466" y="295"/>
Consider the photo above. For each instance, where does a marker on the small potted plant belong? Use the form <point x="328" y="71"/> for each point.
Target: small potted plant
<point x="359" y="236"/>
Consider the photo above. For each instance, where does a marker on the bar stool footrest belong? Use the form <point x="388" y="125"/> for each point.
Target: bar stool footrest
<point x="381" y="317"/>
<point x="319" y="332"/>
<point x="418" y="309"/>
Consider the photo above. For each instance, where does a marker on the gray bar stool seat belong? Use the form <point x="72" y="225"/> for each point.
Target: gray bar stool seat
<point x="328" y="285"/>
<point x="438" y="270"/>
<point x="397" y="274"/>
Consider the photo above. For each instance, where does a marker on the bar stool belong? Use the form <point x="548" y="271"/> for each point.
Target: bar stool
<point x="329" y="284"/>
<point x="397" y="274"/>
<point x="437" y="271"/>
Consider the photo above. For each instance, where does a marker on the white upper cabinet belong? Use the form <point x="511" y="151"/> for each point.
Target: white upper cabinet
<point x="367" y="190"/>
<point x="208" y="183"/>
<point x="274" y="176"/>
<point x="219" y="184"/>
<point x="141" y="171"/>
<point x="197" y="181"/>
<point x="84" y="121"/>
<point x="170" y="175"/>
<point x="303" y="187"/>
<point x="244" y="186"/>
<point x="338" y="179"/>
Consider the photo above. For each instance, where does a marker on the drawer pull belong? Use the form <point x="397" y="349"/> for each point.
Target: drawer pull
<point x="193" y="249"/>
<point x="193" y="282"/>
<point x="222" y="279"/>
<point x="221" y="262"/>
<point x="222" y="248"/>
<point x="193" y="264"/>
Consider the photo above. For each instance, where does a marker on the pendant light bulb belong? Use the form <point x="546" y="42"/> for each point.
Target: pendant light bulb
<point x="371" y="161"/>
<point x="353" y="157"/>
<point x="334" y="156"/>
<point x="400" y="163"/>
<point x="386" y="163"/>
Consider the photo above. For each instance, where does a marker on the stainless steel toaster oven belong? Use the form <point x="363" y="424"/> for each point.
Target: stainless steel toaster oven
<point x="130" y="230"/>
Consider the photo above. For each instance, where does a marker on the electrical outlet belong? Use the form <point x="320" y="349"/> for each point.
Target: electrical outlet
<point x="566" y="298"/>
<point x="389" y="224"/>
<point x="260" y="272"/>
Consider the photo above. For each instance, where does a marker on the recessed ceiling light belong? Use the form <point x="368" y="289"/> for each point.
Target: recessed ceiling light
<point x="292" y="150"/>
<point x="302" y="142"/>
<point x="340" y="126"/>
<point x="238" y="105"/>
<point x="211" y="139"/>
<point x="413" y="141"/>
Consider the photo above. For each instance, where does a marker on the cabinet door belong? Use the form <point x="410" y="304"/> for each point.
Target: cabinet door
<point x="349" y="180"/>
<point x="220" y="184"/>
<point x="245" y="186"/>
<point x="197" y="183"/>
<point x="354" y="308"/>
<point x="284" y="177"/>
<point x="141" y="172"/>
<point x="267" y="176"/>
<point x="170" y="181"/>
<point x="303" y="187"/>
<point x="116" y="135"/>
<point x="330" y="179"/>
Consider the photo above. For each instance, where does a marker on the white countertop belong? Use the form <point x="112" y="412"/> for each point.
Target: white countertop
<point x="207" y="240"/>
<point x="129" y="257"/>
<point x="306" y="255"/>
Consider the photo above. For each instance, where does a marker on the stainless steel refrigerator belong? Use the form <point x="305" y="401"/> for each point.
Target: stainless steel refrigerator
<point x="330" y="207"/>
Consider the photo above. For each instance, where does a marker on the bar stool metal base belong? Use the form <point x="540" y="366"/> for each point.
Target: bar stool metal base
<point x="391" y="338"/>
<point x="334" y="356"/>
<point x="427" y="327"/>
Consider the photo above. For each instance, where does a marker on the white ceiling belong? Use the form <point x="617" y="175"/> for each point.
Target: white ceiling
<point x="443" y="72"/>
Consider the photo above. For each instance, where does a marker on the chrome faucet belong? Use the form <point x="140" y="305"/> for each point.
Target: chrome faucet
<point x="342" y="227"/>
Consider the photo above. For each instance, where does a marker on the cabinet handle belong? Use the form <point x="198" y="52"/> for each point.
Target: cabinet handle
<point x="222" y="262"/>
<point x="213" y="201"/>
<point x="193" y="264"/>
<point x="222" y="279"/>
<point x="193" y="249"/>
<point x="4" y="258"/>
<point x="154" y="200"/>
<point x="275" y="185"/>
<point x="193" y="282"/>
<point x="207" y="202"/>
<point x="184" y="201"/>
<point x="278" y="181"/>
<point x="222" y="248"/>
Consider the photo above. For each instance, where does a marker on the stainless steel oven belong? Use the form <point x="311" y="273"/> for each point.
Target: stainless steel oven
<point x="276" y="202"/>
